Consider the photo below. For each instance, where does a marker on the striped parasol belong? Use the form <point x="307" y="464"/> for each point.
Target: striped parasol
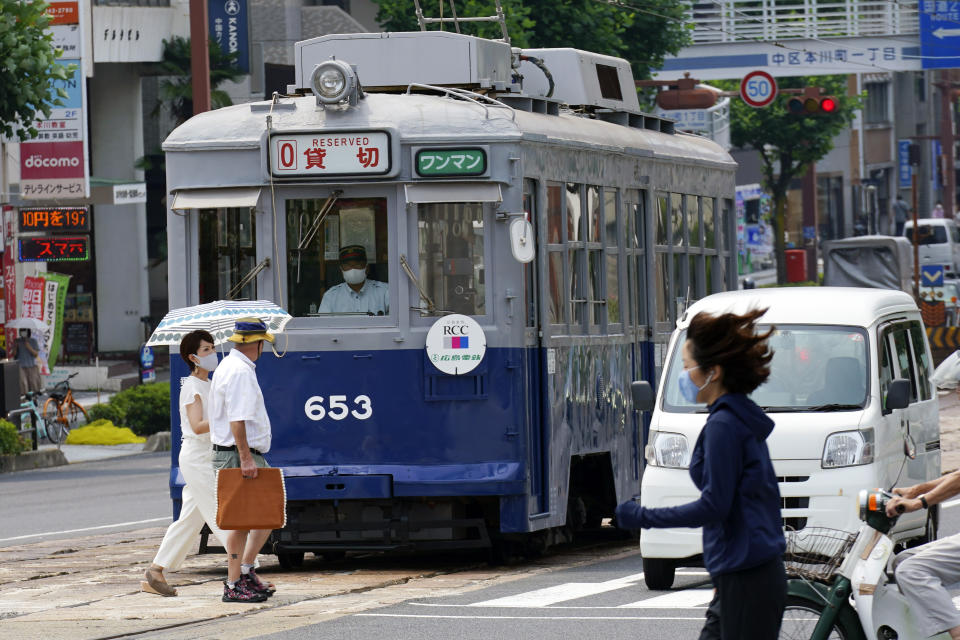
<point x="218" y="318"/>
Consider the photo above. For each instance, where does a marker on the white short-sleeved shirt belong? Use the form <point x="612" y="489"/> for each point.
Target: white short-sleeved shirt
<point x="235" y="395"/>
<point x="373" y="297"/>
<point x="191" y="388"/>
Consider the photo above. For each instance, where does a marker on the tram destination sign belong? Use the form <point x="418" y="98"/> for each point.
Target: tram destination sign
<point x="55" y="249"/>
<point x="329" y="153"/>
<point x="55" y="220"/>
<point x="451" y="162"/>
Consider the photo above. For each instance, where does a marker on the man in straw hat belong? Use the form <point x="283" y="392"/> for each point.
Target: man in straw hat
<point x="240" y="433"/>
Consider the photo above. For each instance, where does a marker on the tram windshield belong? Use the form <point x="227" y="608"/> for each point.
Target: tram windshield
<point x="451" y="256"/>
<point x="814" y="368"/>
<point x="337" y="257"/>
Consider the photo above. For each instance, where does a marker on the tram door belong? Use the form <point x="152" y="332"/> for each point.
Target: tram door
<point x="536" y="379"/>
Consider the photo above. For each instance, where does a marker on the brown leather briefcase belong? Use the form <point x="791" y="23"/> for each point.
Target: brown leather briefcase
<point x="251" y="503"/>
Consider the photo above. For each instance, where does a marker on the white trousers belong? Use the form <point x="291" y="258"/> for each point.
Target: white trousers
<point x="923" y="574"/>
<point x="199" y="505"/>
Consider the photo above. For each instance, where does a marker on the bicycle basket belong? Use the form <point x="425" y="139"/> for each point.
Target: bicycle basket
<point x="815" y="553"/>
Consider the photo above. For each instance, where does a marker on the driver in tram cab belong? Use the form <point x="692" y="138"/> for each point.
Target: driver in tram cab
<point x="357" y="293"/>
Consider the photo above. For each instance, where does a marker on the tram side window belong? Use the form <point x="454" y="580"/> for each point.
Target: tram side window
<point x="530" y="268"/>
<point x="556" y="298"/>
<point x="337" y="260"/>
<point x="451" y="239"/>
<point x="227" y="253"/>
<point x="634" y="215"/>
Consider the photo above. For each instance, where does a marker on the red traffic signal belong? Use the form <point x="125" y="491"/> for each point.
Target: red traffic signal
<point x="808" y="105"/>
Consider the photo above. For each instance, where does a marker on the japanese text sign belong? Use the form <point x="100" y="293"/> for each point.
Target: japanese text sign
<point x="31" y="302"/>
<point x="939" y="22"/>
<point x="228" y="28"/>
<point x="330" y="154"/>
<point x="63" y="12"/>
<point x="905" y="171"/>
<point x="62" y="219"/>
<point x="451" y="162"/>
<point x="56" y="249"/>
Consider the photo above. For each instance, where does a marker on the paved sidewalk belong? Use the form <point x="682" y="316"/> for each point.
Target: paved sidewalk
<point x="90" y="452"/>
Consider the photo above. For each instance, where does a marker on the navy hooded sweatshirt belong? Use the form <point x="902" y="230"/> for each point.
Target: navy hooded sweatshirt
<point x="739" y="505"/>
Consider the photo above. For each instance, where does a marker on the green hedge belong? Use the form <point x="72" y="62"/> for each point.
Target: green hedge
<point x="145" y="409"/>
<point x="10" y="441"/>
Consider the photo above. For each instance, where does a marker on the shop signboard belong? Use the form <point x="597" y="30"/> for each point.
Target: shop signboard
<point x="54" y="249"/>
<point x="54" y="299"/>
<point x="54" y="219"/>
<point x="9" y="274"/>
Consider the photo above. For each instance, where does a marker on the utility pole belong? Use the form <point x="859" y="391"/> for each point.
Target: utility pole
<point x="947" y="138"/>
<point x="199" y="56"/>
<point x="915" y="235"/>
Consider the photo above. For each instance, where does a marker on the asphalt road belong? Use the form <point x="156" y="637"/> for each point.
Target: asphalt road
<point x="105" y="496"/>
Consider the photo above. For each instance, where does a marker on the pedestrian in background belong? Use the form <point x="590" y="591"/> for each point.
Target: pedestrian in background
<point x="724" y="359"/>
<point x="26" y="350"/>
<point x="241" y="434"/>
<point x="900" y="213"/>
<point x="937" y="210"/>
<point x="198" y="504"/>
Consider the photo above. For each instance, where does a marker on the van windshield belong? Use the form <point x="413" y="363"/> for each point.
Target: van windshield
<point x="814" y="368"/>
<point x="929" y="234"/>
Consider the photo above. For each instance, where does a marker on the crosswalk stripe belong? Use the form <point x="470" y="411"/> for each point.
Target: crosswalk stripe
<point x="686" y="599"/>
<point x="560" y="593"/>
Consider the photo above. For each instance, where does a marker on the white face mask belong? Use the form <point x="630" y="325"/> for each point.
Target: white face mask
<point x="355" y="276"/>
<point x="208" y="362"/>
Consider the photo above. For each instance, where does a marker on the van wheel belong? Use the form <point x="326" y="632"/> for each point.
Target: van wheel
<point x="658" y="573"/>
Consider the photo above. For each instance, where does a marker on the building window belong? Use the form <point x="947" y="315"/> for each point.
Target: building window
<point x="875" y="109"/>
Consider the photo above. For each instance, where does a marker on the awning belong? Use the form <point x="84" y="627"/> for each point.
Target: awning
<point x="238" y="197"/>
<point x="423" y="193"/>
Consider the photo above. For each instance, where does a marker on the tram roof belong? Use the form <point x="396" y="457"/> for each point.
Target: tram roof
<point x="427" y="118"/>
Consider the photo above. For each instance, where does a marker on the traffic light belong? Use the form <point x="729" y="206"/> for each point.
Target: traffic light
<point x="811" y="103"/>
<point x="686" y="99"/>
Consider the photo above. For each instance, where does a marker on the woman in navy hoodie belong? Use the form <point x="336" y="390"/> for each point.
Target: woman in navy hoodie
<point x="724" y="359"/>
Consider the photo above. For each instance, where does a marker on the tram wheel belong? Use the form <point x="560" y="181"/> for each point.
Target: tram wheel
<point x="658" y="573"/>
<point x="291" y="560"/>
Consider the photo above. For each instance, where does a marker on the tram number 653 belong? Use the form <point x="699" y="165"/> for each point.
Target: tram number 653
<point x="337" y="408"/>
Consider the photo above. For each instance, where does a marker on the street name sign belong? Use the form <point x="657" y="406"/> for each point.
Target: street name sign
<point x="939" y="34"/>
<point x="758" y="89"/>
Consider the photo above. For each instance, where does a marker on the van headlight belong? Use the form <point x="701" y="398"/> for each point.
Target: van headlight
<point x="670" y="450"/>
<point x="848" y="449"/>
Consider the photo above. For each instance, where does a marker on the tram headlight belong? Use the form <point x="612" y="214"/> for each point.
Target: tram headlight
<point x="669" y="450"/>
<point x="334" y="82"/>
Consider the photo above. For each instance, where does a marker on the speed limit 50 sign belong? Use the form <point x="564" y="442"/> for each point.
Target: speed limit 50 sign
<point x="758" y="88"/>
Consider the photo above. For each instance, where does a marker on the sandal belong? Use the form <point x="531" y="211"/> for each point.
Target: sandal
<point x="155" y="582"/>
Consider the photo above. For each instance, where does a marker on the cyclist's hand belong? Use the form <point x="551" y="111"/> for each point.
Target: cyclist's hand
<point x="247" y="467"/>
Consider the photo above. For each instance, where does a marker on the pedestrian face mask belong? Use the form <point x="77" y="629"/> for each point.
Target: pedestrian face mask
<point x="208" y="362"/>
<point x="688" y="388"/>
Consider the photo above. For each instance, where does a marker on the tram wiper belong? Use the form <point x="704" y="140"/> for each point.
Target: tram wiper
<point x="304" y="240"/>
<point x="431" y="307"/>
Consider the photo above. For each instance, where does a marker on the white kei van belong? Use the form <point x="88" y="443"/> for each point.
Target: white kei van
<point x="849" y="387"/>
<point x="938" y="240"/>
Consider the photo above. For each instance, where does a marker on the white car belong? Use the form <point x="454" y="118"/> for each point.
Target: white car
<point x="849" y="388"/>
<point x="938" y="240"/>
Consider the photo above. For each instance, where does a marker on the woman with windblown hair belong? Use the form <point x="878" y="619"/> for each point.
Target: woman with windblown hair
<point x="724" y="359"/>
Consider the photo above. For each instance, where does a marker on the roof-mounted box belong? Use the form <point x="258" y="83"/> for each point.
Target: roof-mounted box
<point x="396" y="60"/>
<point x="582" y="78"/>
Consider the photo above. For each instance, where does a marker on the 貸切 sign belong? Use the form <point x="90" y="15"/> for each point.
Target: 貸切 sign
<point x="456" y="344"/>
<point x="329" y="154"/>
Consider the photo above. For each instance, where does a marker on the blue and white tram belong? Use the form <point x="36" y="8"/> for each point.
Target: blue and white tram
<point x="393" y="440"/>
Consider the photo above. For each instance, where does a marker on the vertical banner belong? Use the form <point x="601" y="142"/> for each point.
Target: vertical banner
<point x="50" y="288"/>
<point x="54" y="301"/>
<point x="903" y="160"/>
<point x="9" y="275"/>
<point x="228" y="28"/>
<point x="56" y="163"/>
<point x="32" y="305"/>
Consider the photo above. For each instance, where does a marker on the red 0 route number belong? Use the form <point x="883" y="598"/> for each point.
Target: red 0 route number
<point x="758" y="89"/>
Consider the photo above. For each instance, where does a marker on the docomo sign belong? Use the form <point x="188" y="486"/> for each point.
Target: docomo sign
<point x="51" y="160"/>
<point x="758" y="89"/>
<point x="330" y="153"/>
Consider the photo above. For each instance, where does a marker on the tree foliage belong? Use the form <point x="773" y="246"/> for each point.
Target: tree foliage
<point x="177" y="88"/>
<point x="642" y="32"/>
<point x="788" y="144"/>
<point x="27" y="67"/>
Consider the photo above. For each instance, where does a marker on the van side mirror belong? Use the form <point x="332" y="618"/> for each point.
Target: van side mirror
<point x="898" y="395"/>
<point x="642" y="394"/>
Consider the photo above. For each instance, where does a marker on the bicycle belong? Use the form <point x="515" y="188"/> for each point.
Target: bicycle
<point x="61" y="412"/>
<point x="29" y="406"/>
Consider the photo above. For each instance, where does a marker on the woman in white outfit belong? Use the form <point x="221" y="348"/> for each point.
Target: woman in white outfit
<point x="196" y="465"/>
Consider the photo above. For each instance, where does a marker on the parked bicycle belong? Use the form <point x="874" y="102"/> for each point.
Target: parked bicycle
<point x="29" y="406"/>
<point x="61" y="412"/>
